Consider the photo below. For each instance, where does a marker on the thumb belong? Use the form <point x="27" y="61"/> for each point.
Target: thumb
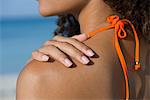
<point x="81" y="37"/>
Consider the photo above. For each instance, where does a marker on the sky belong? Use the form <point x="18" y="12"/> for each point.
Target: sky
<point x="18" y="8"/>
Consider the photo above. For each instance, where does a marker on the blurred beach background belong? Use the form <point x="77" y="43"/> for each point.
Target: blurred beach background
<point x="22" y="30"/>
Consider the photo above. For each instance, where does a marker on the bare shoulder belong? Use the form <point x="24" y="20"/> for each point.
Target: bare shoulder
<point x="54" y="80"/>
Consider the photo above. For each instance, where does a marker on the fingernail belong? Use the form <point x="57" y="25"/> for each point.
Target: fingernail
<point x="90" y="53"/>
<point x="85" y="60"/>
<point x="68" y="63"/>
<point x="45" y="58"/>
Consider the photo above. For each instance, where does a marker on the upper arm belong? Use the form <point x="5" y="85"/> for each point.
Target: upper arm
<point x="29" y="84"/>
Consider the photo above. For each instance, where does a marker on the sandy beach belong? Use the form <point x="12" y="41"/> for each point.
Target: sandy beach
<point x="8" y="87"/>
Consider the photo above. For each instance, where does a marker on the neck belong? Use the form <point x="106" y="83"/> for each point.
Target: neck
<point x="93" y="16"/>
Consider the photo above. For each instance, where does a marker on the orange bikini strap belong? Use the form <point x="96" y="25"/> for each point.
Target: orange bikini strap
<point x="120" y="32"/>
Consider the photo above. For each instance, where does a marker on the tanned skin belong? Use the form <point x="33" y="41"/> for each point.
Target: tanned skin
<point x="102" y="78"/>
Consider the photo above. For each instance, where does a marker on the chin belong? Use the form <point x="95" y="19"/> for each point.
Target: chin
<point x="45" y="12"/>
<point x="50" y="11"/>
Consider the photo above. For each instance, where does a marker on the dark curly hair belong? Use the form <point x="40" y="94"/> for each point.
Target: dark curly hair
<point x="137" y="11"/>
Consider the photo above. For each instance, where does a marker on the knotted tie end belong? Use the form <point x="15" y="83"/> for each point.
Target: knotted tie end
<point x="137" y="66"/>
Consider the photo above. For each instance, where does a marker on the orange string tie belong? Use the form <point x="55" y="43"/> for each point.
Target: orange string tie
<point x="119" y="28"/>
<point x="120" y="32"/>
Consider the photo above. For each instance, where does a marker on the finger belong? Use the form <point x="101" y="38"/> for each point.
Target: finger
<point x="39" y="56"/>
<point x="81" y="37"/>
<point x="79" y="45"/>
<point x="55" y="53"/>
<point x="71" y="51"/>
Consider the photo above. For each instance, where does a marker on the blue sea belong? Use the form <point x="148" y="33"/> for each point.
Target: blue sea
<point x="19" y="37"/>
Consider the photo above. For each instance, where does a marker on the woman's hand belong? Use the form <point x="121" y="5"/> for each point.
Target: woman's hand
<point x="59" y="48"/>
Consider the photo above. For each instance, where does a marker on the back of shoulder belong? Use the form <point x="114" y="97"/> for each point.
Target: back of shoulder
<point x="31" y="83"/>
<point x="46" y="80"/>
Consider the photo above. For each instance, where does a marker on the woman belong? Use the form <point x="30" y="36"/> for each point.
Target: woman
<point x="103" y="78"/>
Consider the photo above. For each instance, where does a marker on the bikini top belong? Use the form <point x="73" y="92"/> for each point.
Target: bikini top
<point x="120" y="33"/>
